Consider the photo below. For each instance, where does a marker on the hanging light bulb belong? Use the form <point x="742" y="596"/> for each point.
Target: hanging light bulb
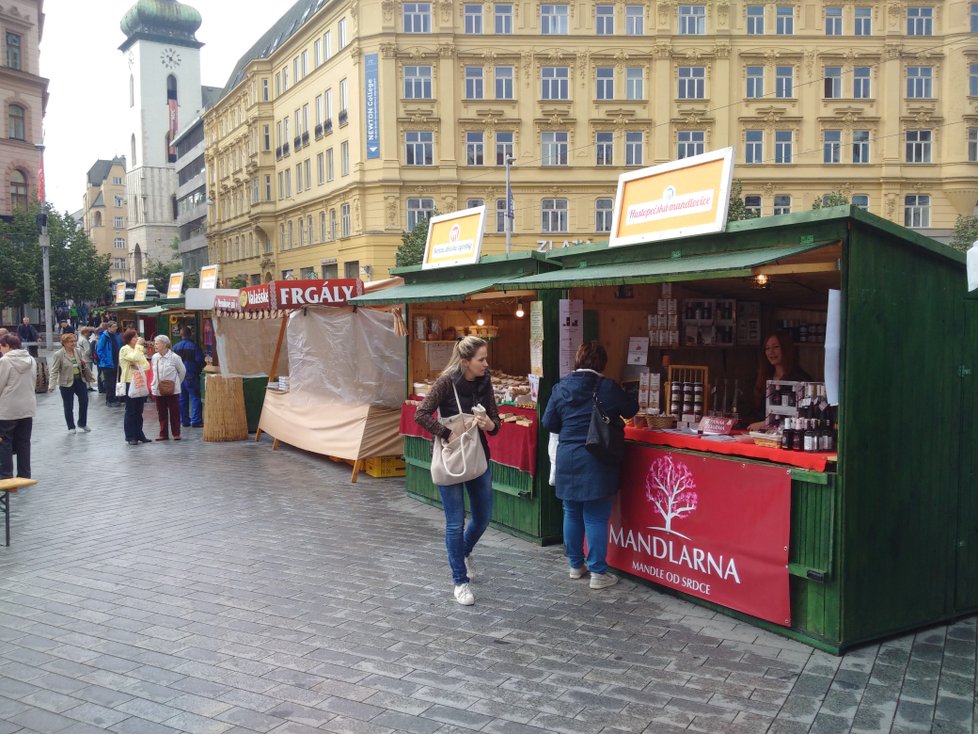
<point x="520" y="313"/>
<point x="479" y="321"/>
<point x="760" y="280"/>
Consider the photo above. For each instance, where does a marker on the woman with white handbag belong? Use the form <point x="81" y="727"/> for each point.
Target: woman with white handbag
<point x="463" y="397"/>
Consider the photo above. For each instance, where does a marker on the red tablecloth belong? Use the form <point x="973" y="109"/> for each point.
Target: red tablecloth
<point x="816" y="461"/>
<point x="514" y="445"/>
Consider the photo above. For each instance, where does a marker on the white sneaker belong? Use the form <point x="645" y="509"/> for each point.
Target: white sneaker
<point x="470" y="568"/>
<point x="72" y="430"/>
<point x="86" y="429"/>
<point x="463" y="595"/>
<point x="603" y="580"/>
<point x="576" y="573"/>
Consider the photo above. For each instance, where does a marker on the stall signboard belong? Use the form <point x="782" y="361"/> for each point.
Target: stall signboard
<point x="712" y="528"/>
<point x="120" y="292"/>
<point x="141" y="286"/>
<point x="678" y="199"/>
<point x="226" y="303"/>
<point x="292" y="294"/>
<point x="208" y="276"/>
<point x="455" y="238"/>
<point x="175" y="286"/>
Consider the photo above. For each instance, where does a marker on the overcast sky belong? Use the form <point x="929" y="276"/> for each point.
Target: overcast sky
<point x="89" y="78"/>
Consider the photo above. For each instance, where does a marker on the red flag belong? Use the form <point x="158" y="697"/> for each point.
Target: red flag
<point x="40" y="180"/>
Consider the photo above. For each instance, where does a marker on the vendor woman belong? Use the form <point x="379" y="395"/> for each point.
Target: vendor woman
<point x="779" y="362"/>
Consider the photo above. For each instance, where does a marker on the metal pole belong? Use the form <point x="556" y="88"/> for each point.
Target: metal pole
<point x="508" y="161"/>
<point x="45" y="242"/>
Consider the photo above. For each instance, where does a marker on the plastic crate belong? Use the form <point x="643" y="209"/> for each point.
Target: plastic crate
<point x="385" y="466"/>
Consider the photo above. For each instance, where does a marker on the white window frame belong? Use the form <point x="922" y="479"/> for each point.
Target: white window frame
<point x="920" y="82"/>
<point x="504" y="148"/>
<point x="782" y="204"/>
<point x="419" y="145"/>
<point x="692" y="82"/>
<point x="418" y="208"/>
<point x="755" y="20"/>
<point x="692" y="20"/>
<point x="604" y="78"/>
<point x="634" y="20"/>
<point x="554" y="19"/>
<point x="831" y="147"/>
<point x="604" y="20"/>
<point x="475" y="148"/>
<point x="690" y="143"/>
<point x="784" y="143"/>
<point x="755" y="82"/>
<point x="555" y="82"/>
<point x="475" y="82"/>
<point x="919" y="146"/>
<point x="634" y="148"/>
<point x="603" y="214"/>
<point x="503" y="19"/>
<point x="861" y="150"/>
<point x="553" y="148"/>
<point x="833" y="20"/>
<point x="472" y="18"/>
<point x="784" y="20"/>
<point x="504" y="81"/>
<point x="753" y="147"/>
<point x="417" y="82"/>
<point x="554" y="215"/>
<point x="604" y="148"/>
<point x="916" y="210"/>
<point x="634" y="83"/>
<point x="784" y="82"/>
<point x="920" y="21"/>
<point x="863" y="20"/>
<point x="862" y="82"/>
<point x="416" y="17"/>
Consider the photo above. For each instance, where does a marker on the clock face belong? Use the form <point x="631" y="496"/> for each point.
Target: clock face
<point x="170" y="58"/>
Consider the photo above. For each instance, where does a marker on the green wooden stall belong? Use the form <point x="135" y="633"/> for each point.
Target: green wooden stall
<point x="524" y="504"/>
<point x="888" y="541"/>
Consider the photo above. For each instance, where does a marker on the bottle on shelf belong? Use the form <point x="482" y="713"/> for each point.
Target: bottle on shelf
<point x="787" y="434"/>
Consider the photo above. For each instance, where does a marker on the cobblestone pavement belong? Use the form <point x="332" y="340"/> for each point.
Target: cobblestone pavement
<point x="203" y="587"/>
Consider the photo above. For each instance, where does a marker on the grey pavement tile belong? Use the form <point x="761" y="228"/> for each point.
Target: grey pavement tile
<point x="302" y="714"/>
<point x="149" y="710"/>
<point x="96" y="715"/>
<point x="194" y="724"/>
<point x="248" y="719"/>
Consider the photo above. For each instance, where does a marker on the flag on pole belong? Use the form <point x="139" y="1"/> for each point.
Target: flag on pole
<point x="510" y="208"/>
<point x="40" y="180"/>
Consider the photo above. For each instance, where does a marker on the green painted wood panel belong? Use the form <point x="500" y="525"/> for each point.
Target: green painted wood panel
<point x="966" y="591"/>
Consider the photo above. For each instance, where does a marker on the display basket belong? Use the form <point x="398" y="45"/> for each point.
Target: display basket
<point x="766" y="440"/>
<point x="657" y="422"/>
<point x="385" y="466"/>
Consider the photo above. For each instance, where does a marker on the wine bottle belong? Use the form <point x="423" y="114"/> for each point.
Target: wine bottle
<point x="787" y="433"/>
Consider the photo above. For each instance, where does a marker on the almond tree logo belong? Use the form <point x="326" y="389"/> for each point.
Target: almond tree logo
<point x="669" y="486"/>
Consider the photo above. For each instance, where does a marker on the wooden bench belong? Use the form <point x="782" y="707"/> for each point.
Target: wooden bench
<point x="7" y="488"/>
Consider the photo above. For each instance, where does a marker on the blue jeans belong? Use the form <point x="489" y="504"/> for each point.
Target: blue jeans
<point x="190" y="413"/>
<point x="587" y="518"/>
<point x="460" y="540"/>
<point x="132" y="423"/>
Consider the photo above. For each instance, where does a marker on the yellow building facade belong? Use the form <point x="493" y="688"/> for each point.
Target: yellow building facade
<point x="350" y="120"/>
<point x="104" y="214"/>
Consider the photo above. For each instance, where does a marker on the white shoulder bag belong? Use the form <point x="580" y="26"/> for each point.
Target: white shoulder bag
<point x="454" y="462"/>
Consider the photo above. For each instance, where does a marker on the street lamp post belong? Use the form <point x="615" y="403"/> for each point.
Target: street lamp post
<point x="45" y="242"/>
<point x="509" y="161"/>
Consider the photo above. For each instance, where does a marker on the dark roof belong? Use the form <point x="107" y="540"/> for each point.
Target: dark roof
<point x="210" y="96"/>
<point x="166" y="21"/>
<point x="100" y="171"/>
<point x="99" y="200"/>
<point x="279" y="33"/>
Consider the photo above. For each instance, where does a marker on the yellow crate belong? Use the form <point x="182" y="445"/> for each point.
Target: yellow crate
<point x="385" y="466"/>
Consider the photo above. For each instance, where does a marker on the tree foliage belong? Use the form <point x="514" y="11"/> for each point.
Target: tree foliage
<point x="835" y="198"/>
<point x="736" y="209"/>
<point x="965" y="232"/>
<point x="411" y="249"/>
<point x="78" y="272"/>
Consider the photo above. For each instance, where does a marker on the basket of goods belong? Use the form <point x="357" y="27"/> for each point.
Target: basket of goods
<point x="766" y="440"/>
<point x="657" y="422"/>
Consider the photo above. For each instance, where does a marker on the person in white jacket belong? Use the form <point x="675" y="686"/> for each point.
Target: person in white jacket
<point x="18" y="404"/>
<point x="168" y="374"/>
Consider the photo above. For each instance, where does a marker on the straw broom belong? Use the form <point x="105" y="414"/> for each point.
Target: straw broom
<point x="224" y="409"/>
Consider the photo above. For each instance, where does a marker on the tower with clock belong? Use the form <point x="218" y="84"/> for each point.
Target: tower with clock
<point x="163" y="57"/>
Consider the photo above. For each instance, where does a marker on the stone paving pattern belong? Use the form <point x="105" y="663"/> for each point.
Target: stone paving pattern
<point x="207" y="587"/>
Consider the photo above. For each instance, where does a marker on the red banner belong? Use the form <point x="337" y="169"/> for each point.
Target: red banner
<point x="713" y="528"/>
<point x="293" y="294"/>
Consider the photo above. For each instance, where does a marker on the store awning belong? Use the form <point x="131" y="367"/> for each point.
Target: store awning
<point x="153" y="311"/>
<point x="695" y="267"/>
<point x="453" y="290"/>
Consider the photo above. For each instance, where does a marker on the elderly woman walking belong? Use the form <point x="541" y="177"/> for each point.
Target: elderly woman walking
<point x="168" y="374"/>
<point x="70" y="373"/>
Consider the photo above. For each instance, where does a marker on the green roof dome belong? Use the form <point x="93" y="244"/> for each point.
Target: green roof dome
<point x="161" y="20"/>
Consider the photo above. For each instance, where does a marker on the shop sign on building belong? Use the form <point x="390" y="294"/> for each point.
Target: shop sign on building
<point x="455" y="238"/>
<point x="141" y="286"/>
<point x="678" y="199"/>
<point x="293" y="294"/>
<point x="208" y="276"/>
<point x="372" y="105"/>
<point x="175" y="286"/>
<point x="713" y="528"/>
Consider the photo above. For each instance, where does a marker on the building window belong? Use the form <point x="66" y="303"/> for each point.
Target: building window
<point x="302" y="232"/>
<point x="692" y="20"/>
<point x="504" y="18"/>
<point x="346" y="226"/>
<point x="860" y="146"/>
<point x="555" y="82"/>
<point x="861" y="85"/>
<point x="831" y="146"/>
<point x="833" y="21"/>
<point x="973" y="80"/>
<point x="332" y="224"/>
<point x="321" y="168"/>
<point x="13" y="50"/>
<point x="341" y="31"/>
<point x="118" y="263"/>
<point x="504" y="147"/>
<point x="920" y="21"/>
<point x="298" y="178"/>
<point x="754" y="146"/>
<point x="691" y="142"/>
<point x="117" y="180"/>
<point x="554" y="19"/>
<point x="782" y="204"/>
<point x="500" y="215"/>
<point x="916" y="210"/>
<point x="419" y="210"/>
<point x="634" y="20"/>
<point x="417" y="18"/>
<point x="322" y="228"/>
<point x="604" y="20"/>
<point x="118" y="222"/>
<point x="317" y="53"/>
<point x="783" y="140"/>
<point x="861" y="201"/>
<point x="554" y="215"/>
<point x="604" y="147"/>
<point x="417" y="83"/>
<point x="784" y="21"/>
<point x="327" y="45"/>
<point x="473" y="18"/>
<point x="16" y="129"/>
<point x="345" y="158"/>
<point x="329" y="164"/>
<point x="288" y="183"/>
<point x="755" y="20"/>
<point x="605" y="80"/>
<point x="268" y="187"/>
<point x="474" y="82"/>
<point x="973" y="144"/>
<point x="504" y="82"/>
<point x="974" y="17"/>
<point x="634" y="143"/>
<point x="832" y="81"/>
<point x="692" y="82"/>
<point x="784" y="82"/>
<point x="752" y="206"/>
<point x="473" y="203"/>
<point x="290" y="231"/>
<point x="344" y="99"/>
<point x="419" y="150"/>
<point x="918" y="146"/>
<point x="119" y="243"/>
<point x="553" y="149"/>
<point x="119" y="200"/>
<point x="919" y="82"/>
<point x="603" y="209"/>
<point x="474" y="149"/>
<point x="634" y="83"/>
<point x="755" y="82"/>
<point x="864" y="21"/>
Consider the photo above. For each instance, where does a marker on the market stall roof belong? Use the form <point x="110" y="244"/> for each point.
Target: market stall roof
<point x="455" y="290"/>
<point x="694" y="267"/>
<point x="153" y="311"/>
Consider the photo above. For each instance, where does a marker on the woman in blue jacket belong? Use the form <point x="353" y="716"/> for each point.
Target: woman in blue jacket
<point x="585" y="485"/>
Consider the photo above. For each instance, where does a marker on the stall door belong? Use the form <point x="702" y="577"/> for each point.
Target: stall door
<point x="966" y="596"/>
